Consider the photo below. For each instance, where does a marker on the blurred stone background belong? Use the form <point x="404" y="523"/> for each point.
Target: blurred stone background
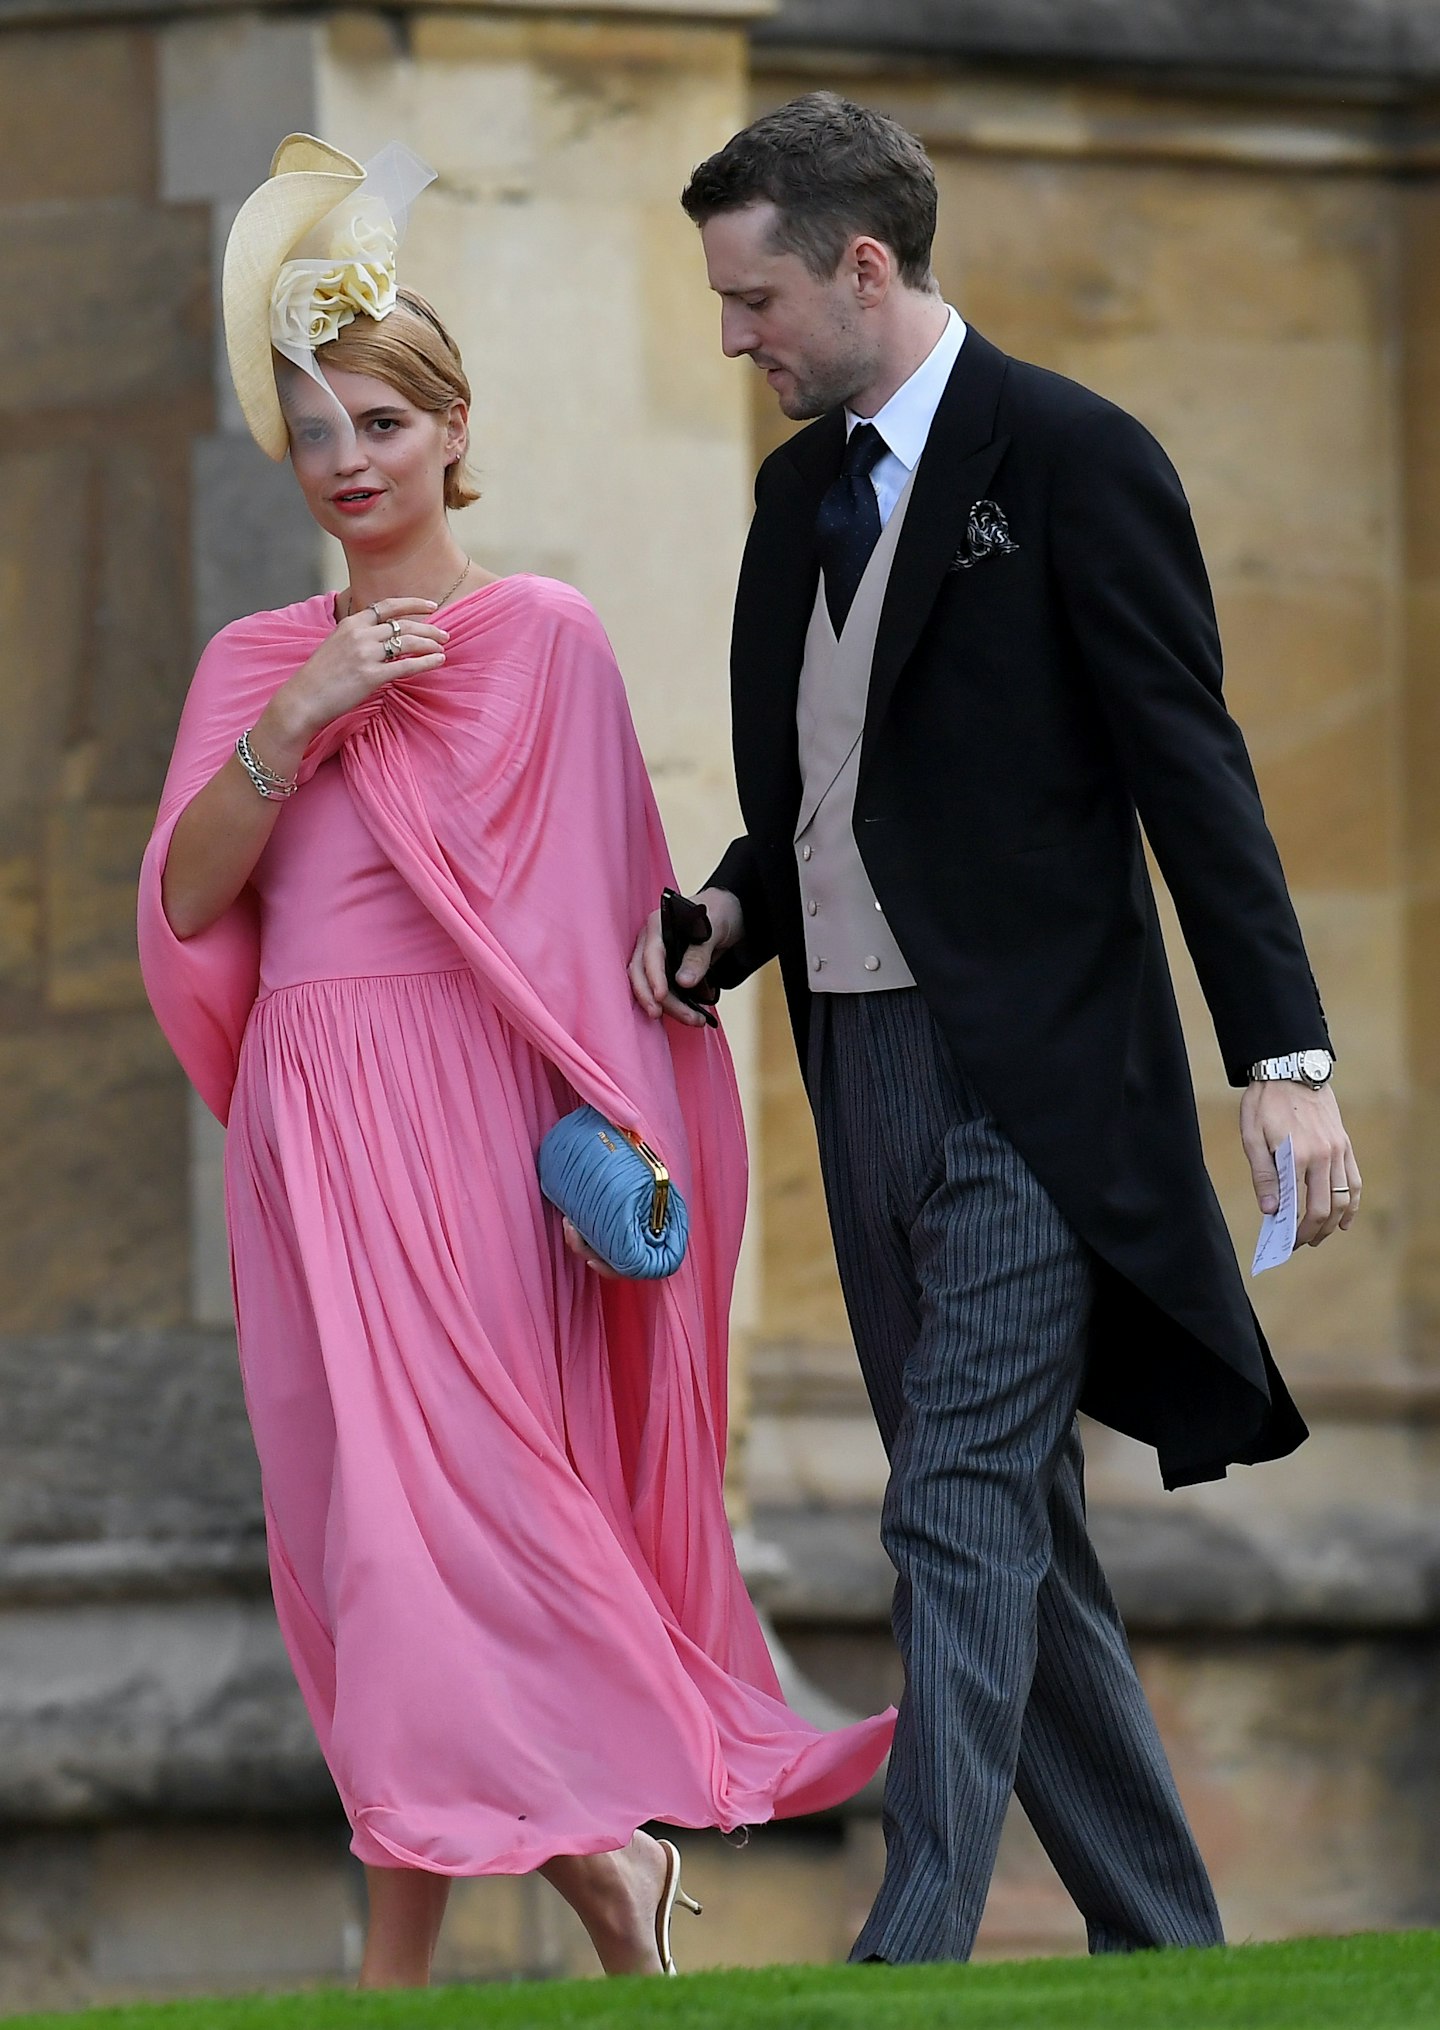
<point x="1226" y="218"/>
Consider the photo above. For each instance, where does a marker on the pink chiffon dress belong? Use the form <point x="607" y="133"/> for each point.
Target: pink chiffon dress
<point x="491" y="1482"/>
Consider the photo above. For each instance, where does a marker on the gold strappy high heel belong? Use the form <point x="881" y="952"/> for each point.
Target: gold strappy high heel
<point x="670" y="1895"/>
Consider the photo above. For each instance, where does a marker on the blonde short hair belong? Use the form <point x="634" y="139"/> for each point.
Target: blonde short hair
<point x="412" y="352"/>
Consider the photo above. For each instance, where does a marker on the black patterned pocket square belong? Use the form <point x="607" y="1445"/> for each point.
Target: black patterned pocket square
<point x="986" y="533"/>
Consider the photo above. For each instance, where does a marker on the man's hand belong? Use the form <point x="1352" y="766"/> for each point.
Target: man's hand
<point x="647" y="962"/>
<point x="1275" y="1108"/>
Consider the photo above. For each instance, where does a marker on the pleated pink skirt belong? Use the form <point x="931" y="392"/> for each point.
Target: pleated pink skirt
<point x="491" y="1670"/>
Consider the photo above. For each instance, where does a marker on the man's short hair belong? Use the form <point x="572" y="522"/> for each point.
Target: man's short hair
<point x="832" y="169"/>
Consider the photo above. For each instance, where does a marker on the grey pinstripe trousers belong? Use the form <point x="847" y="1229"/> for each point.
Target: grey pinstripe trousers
<point x="969" y="1298"/>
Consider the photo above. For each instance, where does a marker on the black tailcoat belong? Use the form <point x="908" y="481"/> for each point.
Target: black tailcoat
<point x="1027" y="713"/>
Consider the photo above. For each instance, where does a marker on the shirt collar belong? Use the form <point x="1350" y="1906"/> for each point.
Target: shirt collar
<point x="905" y="420"/>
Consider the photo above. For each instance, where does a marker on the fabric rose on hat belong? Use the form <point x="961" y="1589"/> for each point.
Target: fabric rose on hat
<point x="313" y="299"/>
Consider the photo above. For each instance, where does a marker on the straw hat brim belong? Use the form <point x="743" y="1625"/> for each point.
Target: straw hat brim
<point x="307" y="179"/>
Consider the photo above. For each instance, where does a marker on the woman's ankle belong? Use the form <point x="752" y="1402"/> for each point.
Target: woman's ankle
<point x="614" y="1908"/>
<point x="393" y="1976"/>
<point x="407" y="1907"/>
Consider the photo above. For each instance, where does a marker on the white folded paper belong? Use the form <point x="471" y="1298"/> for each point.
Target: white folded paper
<point x="1277" y="1229"/>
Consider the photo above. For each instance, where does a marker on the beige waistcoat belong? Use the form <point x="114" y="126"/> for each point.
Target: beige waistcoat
<point x="848" y="944"/>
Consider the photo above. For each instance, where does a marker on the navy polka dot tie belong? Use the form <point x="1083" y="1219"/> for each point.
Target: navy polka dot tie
<point x="848" y="524"/>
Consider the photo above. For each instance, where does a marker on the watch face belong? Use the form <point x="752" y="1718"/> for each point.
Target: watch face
<point x="1315" y="1066"/>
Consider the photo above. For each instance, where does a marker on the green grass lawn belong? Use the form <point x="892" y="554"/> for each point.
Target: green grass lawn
<point x="1374" y="1982"/>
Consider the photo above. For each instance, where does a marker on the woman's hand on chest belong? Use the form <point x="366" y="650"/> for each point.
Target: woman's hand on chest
<point x="393" y="638"/>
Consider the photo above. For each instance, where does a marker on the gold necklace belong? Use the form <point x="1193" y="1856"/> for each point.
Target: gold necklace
<point x="464" y="574"/>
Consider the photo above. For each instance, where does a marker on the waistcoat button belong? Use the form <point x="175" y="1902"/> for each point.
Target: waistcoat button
<point x="872" y="965"/>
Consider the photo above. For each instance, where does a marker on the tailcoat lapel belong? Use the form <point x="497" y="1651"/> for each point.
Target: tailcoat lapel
<point x="958" y="463"/>
<point x="782" y="567"/>
<point x="773" y="613"/>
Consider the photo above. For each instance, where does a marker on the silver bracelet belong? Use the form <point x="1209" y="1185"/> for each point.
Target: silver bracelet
<point x="269" y="784"/>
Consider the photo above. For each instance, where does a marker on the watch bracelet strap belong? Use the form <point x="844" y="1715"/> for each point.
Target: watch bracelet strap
<point x="1287" y="1066"/>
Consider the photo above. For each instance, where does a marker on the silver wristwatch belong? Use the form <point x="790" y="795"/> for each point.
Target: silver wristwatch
<point x="1304" y="1067"/>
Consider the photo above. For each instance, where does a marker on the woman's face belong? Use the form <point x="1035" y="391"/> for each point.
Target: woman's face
<point x="370" y="464"/>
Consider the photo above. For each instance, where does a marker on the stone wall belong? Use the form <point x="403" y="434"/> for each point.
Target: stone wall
<point x="1379" y="46"/>
<point x="98" y="386"/>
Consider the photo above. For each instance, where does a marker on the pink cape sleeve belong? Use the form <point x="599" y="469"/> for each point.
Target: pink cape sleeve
<point x="202" y="988"/>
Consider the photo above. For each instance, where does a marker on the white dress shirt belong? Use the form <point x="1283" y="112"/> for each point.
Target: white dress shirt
<point x="905" y="420"/>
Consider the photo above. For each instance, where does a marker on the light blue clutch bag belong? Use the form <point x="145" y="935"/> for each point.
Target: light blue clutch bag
<point x="615" y="1190"/>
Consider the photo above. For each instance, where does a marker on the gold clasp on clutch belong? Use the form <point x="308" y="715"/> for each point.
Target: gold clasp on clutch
<point x="660" y="1202"/>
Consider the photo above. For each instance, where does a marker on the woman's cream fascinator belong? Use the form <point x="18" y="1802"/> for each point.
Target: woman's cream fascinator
<point x="311" y="249"/>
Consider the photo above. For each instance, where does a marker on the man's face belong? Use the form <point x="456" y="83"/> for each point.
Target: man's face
<point x="807" y="336"/>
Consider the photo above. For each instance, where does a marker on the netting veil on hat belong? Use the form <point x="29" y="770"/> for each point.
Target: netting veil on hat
<point x="312" y="248"/>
